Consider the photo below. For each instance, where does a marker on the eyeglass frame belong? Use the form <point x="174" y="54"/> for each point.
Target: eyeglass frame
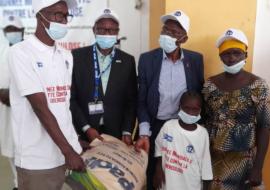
<point x="171" y="32"/>
<point x="64" y="16"/>
<point x="111" y="31"/>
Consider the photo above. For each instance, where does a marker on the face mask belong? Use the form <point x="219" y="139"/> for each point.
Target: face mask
<point x="14" y="37"/>
<point x="167" y="43"/>
<point x="234" y="68"/>
<point x="106" y="41"/>
<point x="56" y="30"/>
<point x="188" y="119"/>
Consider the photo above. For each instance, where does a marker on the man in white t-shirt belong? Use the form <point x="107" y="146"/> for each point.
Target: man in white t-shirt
<point x="46" y="143"/>
<point x="182" y="149"/>
<point x="13" y="32"/>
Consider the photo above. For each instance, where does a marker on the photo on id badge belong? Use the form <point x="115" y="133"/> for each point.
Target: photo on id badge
<point x="95" y="107"/>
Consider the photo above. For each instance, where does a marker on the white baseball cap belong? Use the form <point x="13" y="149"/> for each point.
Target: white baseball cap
<point x="107" y="13"/>
<point x="178" y="16"/>
<point x="12" y="21"/>
<point x="41" y="4"/>
<point x="232" y="33"/>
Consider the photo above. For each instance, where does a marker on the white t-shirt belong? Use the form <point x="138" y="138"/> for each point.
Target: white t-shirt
<point x="6" y="137"/>
<point x="38" y="68"/>
<point x="185" y="156"/>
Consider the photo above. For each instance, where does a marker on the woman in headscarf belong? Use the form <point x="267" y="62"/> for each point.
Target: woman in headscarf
<point x="237" y="118"/>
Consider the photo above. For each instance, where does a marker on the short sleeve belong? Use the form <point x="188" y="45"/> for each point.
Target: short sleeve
<point x="208" y="87"/>
<point x="158" y="143"/>
<point x="4" y="72"/>
<point x="22" y="72"/>
<point x="206" y="160"/>
<point x="260" y="95"/>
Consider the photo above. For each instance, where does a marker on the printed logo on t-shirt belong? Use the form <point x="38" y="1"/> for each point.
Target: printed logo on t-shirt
<point x="58" y="94"/>
<point x="167" y="137"/>
<point x="176" y="161"/>
<point x="39" y="64"/>
<point x="190" y="149"/>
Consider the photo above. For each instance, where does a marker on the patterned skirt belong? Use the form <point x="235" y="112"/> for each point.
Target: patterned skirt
<point x="231" y="169"/>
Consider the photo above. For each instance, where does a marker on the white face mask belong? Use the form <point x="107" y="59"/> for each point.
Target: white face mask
<point x="106" y="41"/>
<point x="14" y="37"/>
<point x="167" y="43"/>
<point x="234" y="68"/>
<point x="56" y="30"/>
<point x="187" y="118"/>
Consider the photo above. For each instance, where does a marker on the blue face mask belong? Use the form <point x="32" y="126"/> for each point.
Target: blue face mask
<point x="167" y="43"/>
<point x="14" y="37"/>
<point x="56" y="30"/>
<point x="234" y="68"/>
<point x="187" y="118"/>
<point x="106" y="41"/>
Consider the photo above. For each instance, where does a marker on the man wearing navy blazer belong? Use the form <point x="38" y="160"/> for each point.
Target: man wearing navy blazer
<point x="164" y="74"/>
<point x="104" y="85"/>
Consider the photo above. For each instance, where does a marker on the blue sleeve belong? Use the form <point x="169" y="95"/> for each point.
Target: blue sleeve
<point x="143" y="115"/>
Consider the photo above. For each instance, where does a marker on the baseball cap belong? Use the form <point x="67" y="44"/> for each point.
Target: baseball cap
<point x="12" y="21"/>
<point x="232" y="33"/>
<point x="178" y="16"/>
<point x="41" y="4"/>
<point x="107" y="13"/>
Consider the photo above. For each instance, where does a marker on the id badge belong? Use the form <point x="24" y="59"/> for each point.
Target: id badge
<point x="95" y="108"/>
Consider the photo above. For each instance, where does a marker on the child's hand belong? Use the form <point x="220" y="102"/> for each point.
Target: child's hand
<point x="159" y="177"/>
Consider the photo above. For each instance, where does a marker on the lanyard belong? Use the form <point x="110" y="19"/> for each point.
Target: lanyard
<point x="98" y="74"/>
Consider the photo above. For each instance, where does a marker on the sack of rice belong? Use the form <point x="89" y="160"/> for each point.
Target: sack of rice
<point x="112" y="165"/>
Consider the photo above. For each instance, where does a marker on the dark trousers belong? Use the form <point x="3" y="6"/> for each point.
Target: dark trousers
<point x="156" y="126"/>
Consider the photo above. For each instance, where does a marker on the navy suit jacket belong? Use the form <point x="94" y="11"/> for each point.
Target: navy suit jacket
<point x="148" y="77"/>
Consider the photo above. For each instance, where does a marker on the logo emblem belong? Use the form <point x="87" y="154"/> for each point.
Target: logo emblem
<point x="107" y="11"/>
<point x="39" y="64"/>
<point x="229" y="33"/>
<point x="167" y="137"/>
<point x="177" y="13"/>
<point x="190" y="149"/>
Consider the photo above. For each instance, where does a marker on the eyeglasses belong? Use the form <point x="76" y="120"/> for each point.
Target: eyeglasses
<point x="172" y="32"/>
<point x="60" y="17"/>
<point x="107" y="30"/>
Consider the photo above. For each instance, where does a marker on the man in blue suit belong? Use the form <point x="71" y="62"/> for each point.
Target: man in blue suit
<point x="164" y="75"/>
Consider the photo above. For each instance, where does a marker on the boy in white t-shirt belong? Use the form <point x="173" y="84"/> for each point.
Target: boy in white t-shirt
<point x="182" y="149"/>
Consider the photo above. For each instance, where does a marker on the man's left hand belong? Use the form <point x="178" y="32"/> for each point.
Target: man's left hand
<point x="127" y="139"/>
<point x="255" y="177"/>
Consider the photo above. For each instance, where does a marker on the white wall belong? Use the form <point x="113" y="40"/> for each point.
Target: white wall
<point x="261" y="59"/>
<point x="134" y="24"/>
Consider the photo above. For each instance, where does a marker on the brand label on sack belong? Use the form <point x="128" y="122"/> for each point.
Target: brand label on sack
<point x="94" y="163"/>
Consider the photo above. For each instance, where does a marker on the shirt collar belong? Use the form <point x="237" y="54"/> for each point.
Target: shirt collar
<point x="165" y="57"/>
<point x="99" y="54"/>
<point x="40" y="45"/>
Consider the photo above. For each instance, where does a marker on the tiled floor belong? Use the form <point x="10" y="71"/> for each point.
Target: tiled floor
<point x="6" y="176"/>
